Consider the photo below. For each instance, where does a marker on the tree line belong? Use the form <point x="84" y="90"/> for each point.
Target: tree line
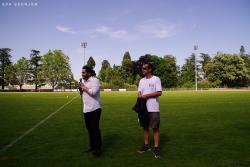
<point x="53" y="68"/>
<point x="222" y="70"/>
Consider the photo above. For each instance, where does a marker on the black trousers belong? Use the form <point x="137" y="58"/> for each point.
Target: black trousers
<point x="92" y="120"/>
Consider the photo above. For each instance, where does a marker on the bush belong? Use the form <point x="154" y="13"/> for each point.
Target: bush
<point x="129" y="86"/>
<point x="207" y="84"/>
<point x="105" y="85"/>
<point x="110" y="85"/>
<point x="188" y="84"/>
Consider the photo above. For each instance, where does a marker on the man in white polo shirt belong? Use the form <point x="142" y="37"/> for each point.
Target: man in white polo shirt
<point x="90" y="90"/>
<point x="150" y="89"/>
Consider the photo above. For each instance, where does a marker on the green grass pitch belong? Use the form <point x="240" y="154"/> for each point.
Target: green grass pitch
<point x="198" y="129"/>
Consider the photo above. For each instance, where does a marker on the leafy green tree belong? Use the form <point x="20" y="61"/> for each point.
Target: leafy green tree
<point x="126" y="68"/>
<point x="103" y="72"/>
<point x="22" y="71"/>
<point x="56" y="68"/>
<point x="109" y="75"/>
<point x="167" y="71"/>
<point x="137" y="67"/>
<point x="229" y="69"/>
<point x="205" y="59"/>
<point x="126" y="56"/>
<point x="68" y="83"/>
<point x="165" y="68"/>
<point x="35" y="69"/>
<point x="246" y="59"/>
<point x="105" y="64"/>
<point x="114" y="77"/>
<point x="137" y="79"/>
<point x="188" y="71"/>
<point x="5" y="60"/>
<point x="102" y="75"/>
<point x="178" y="70"/>
<point x="91" y="62"/>
<point x="10" y="75"/>
<point x="117" y="80"/>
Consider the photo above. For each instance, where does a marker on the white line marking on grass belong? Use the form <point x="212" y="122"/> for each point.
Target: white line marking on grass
<point x="35" y="126"/>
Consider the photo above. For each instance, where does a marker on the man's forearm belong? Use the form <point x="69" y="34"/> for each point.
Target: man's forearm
<point x="80" y="90"/>
<point x="155" y="94"/>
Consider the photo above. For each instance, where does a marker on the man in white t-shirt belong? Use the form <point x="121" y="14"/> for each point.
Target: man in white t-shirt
<point x="150" y="89"/>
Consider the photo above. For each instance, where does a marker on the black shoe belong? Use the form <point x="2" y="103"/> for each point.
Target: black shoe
<point x="97" y="152"/>
<point x="157" y="152"/>
<point x="89" y="150"/>
<point x="145" y="147"/>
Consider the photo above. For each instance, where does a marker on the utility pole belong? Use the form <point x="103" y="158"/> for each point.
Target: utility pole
<point x="195" y="64"/>
<point x="84" y="45"/>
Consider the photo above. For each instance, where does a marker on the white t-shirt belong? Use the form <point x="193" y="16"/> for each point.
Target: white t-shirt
<point x="151" y="85"/>
<point x="91" y="99"/>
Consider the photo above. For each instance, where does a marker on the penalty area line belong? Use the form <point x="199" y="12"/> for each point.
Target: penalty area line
<point x="6" y="147"/>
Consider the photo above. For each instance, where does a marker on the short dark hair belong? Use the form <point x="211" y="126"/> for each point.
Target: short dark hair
<point x="150" y="65"/>
<point x="89" y="70"/>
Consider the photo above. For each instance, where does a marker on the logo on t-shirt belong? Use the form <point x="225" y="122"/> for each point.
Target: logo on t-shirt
<point x="151" y="86"/>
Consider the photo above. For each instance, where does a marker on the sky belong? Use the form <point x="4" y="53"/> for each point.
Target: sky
<point x="112" y="27"/>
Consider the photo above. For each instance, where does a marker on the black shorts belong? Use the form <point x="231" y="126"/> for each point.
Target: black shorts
<point x="154" y="120"/>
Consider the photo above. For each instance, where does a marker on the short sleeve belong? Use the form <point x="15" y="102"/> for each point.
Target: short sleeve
<point x="140" y="86"/>
<point x="158" y="87"/>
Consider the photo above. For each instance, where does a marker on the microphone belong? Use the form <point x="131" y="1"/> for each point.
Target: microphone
<point x="80" y="89"/>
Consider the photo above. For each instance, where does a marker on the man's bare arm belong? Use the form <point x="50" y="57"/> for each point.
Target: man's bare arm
<point x="150" y="95"/>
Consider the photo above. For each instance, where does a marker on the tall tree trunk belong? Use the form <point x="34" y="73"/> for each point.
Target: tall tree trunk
<point x="20" y="87"/>
<point x="2" y="84"/>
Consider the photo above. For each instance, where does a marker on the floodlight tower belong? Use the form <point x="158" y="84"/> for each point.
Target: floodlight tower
<point x="195" y="66"/>
<point x="84" y="45"/>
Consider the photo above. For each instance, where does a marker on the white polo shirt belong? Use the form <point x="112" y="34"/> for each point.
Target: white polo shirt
<point x="91" y="99"/>
<point x="151" y="85"/>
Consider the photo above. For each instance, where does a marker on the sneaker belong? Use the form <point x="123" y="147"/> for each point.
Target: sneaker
<point x="145" y="147"/>
<point x="157" y="152"/>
